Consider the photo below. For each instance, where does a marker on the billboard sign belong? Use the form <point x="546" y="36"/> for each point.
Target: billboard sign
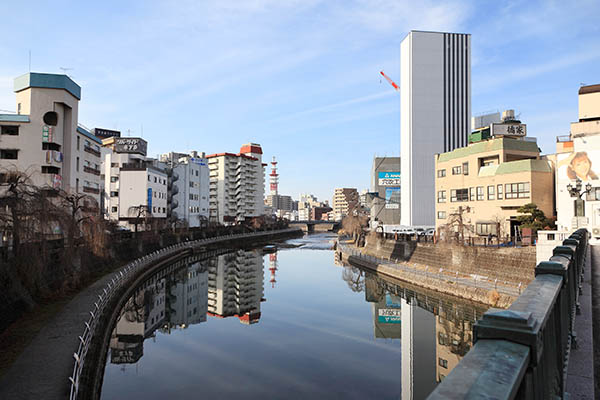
<point x="392" y="197"/>
<point x="582" y="165"/>
<point x="131" y="145"/>
<point x="389" y="315"/>
<point x="149" y="199"/>
<point x="389" y="178"/>
<point x="106" y="133"/>
<point x="509" y="130"/>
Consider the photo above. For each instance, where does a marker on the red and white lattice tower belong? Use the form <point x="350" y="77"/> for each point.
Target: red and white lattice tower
<point x="273" y="268"/>
<point x="274" y="177"/>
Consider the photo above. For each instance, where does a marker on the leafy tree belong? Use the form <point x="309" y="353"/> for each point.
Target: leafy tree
<point x="533" y="217"/>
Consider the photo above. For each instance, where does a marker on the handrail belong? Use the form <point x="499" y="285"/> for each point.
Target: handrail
<point x="123" y="276"/>
<point x="523" y="352"/>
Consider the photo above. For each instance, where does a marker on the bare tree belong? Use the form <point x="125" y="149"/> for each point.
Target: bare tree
<point x="141" y="214"/>
<point x="77" y="208"/>
<point x="355" y="278"/>
<point x="457" y="225"/>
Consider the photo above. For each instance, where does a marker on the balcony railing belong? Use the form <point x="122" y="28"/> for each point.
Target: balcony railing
<point x="91" y="150"/>
<point x="89" y="189"/>
<point x="91" y="170"/>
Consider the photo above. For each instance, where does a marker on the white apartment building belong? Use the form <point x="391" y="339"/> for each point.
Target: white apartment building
<point x="435" y="109"/>
<point x="345" y="200"/>
<point x="237" y="185"/>
<point x="189" y="297"/>
<point x="236" y="285"/>
<point x="188" y="187"/>
<point x="43" y="139"/>
<point x="578" y="159"/>
<point x="133" y="188"/>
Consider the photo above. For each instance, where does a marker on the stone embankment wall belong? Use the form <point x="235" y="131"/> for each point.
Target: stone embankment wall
<point x="510" y="264"/>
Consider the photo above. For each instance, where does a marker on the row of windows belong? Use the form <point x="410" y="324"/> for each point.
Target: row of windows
<point x="154" y="208"/>
<point x="194" y="196"/>
<point x="457" y="170"/>
<point x="196" y="209"/>
<point x="513" y="191"/>
<point x="160" y="180"/>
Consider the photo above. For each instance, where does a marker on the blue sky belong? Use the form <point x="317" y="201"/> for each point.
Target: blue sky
<point x="300" y="77"/>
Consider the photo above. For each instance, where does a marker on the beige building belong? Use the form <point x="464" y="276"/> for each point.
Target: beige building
<point x="43" y="138"/>
<point x="481" y="186"/>
<point x="237" y="185"/>
<point x="345" y="200"/>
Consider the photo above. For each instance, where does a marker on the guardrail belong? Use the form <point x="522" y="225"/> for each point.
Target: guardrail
<point x="122" y="277"/>
<point x="523" y="352"/>
<point x="447" y="275"/>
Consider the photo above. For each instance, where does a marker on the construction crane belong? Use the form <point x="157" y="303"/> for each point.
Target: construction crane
<point x="396" y="87"/>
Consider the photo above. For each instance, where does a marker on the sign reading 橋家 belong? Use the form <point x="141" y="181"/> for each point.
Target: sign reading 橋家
<point x="131" y="145"/>
<point x="509" y="130"/>
<point x="389" y="178"/>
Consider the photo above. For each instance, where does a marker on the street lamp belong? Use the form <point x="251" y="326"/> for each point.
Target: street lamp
<point x="577" y="193"/>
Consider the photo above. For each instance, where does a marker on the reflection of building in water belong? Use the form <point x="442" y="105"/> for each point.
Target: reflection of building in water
<point x="453" y="342"/>
<point x="188" y="297"/>
<point x="141" y="315"/>
<point x="273" y="268"/>
<point x="386" y="309"/>
<point x="235" y="285"/>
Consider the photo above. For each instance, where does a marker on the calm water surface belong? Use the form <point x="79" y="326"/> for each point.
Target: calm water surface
<point x="294" y="324"/>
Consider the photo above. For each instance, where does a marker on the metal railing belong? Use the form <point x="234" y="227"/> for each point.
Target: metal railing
<point x="447" y="275"/>
<point x="125" y="275"/>
<point x="523" y="352"/>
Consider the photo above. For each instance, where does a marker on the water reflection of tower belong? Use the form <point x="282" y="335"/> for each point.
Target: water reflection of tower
<point x="273" y="268"/>
<point x="236" y="286"/>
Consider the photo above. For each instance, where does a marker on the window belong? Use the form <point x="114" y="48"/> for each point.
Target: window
<point x="77" y="184"/>
<point x="114" y="165"/>
<point x="77" y="164"/>
<point x="50" y="146"/>
<point x="479" y="193"/>
<point x="441" y="173"/>
<point x="443" y="363"/>
<point x="456" y="170"/>
<point x="50" y="170"/>
<point x="113" y="209"/>
<point x="78" y="142"/>
<point x="441" y="214"/>
<point x="441" y="198"/>
<point x="517" y="190"/>
<point x="499" y="192"/>
<point x="465" y="168"/>
<point x="154" y="179"/>
<point x="459" y="195"/>
<point x="10" y="130"/>
<point x="191" y="184"/>
<point x="9" y="154"/>
<point x="148" y="178"/>
<point x="472" y="194"/>
<point x="114" y="194"/>
<point x="19" y="108"/>
<point x="486" y="228"/>
<point x="154" y="209"/>
<point x="491" y="192"/>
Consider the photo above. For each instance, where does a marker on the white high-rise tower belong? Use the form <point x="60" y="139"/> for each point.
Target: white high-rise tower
<point x="435" y="112"/>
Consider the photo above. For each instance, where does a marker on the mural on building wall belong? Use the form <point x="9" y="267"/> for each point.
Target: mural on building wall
<point x="578" y="165"/>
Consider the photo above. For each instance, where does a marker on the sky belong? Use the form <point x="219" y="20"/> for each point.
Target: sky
<point x="300" y="77"/>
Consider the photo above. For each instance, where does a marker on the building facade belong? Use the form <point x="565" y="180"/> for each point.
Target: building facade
<point x="435" y="109"/>
<point x="188" y="185"/>
<point x="479" y="188"/>
<point x="385" y="186"/>
<point x="578" y="159"/>
<point x="237" y="185"/>
<point x="345" y="201"/>
<point x="135" y="192"/>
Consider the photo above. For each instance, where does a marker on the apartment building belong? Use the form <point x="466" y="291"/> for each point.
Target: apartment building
<point x="134" y="189"/>
<point x="480" y="187"/>
<point x="188" y="182"/>
<point x="345" y="200"/>
<point x="43" y="139"/>
<point x="236" y="286"/>
<point x="237" y="185"/>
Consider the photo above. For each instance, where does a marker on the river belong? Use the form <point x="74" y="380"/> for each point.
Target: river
<point x="290" y="324"/>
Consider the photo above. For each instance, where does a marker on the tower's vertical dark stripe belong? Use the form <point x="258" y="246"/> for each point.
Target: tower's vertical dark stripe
<point x="445" y="102"/>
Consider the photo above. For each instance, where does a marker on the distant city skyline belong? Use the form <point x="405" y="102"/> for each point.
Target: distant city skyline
<point x="299" y="77"/>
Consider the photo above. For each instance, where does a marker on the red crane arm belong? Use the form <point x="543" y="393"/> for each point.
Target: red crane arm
<point x="390" y="81"/>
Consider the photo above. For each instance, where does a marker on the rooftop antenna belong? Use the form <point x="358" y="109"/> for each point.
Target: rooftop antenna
<point x="64" y="70"/>
<point x="29" y="60"/>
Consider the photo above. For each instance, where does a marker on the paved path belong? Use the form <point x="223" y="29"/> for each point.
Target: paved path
<point x="580" y="371"/>
<point x="42" y="370"/>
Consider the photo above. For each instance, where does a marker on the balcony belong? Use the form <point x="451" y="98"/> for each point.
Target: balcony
<point x="89" y="189"/>
<point x="91" y="170"/>
<point x="91" y="150"/>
